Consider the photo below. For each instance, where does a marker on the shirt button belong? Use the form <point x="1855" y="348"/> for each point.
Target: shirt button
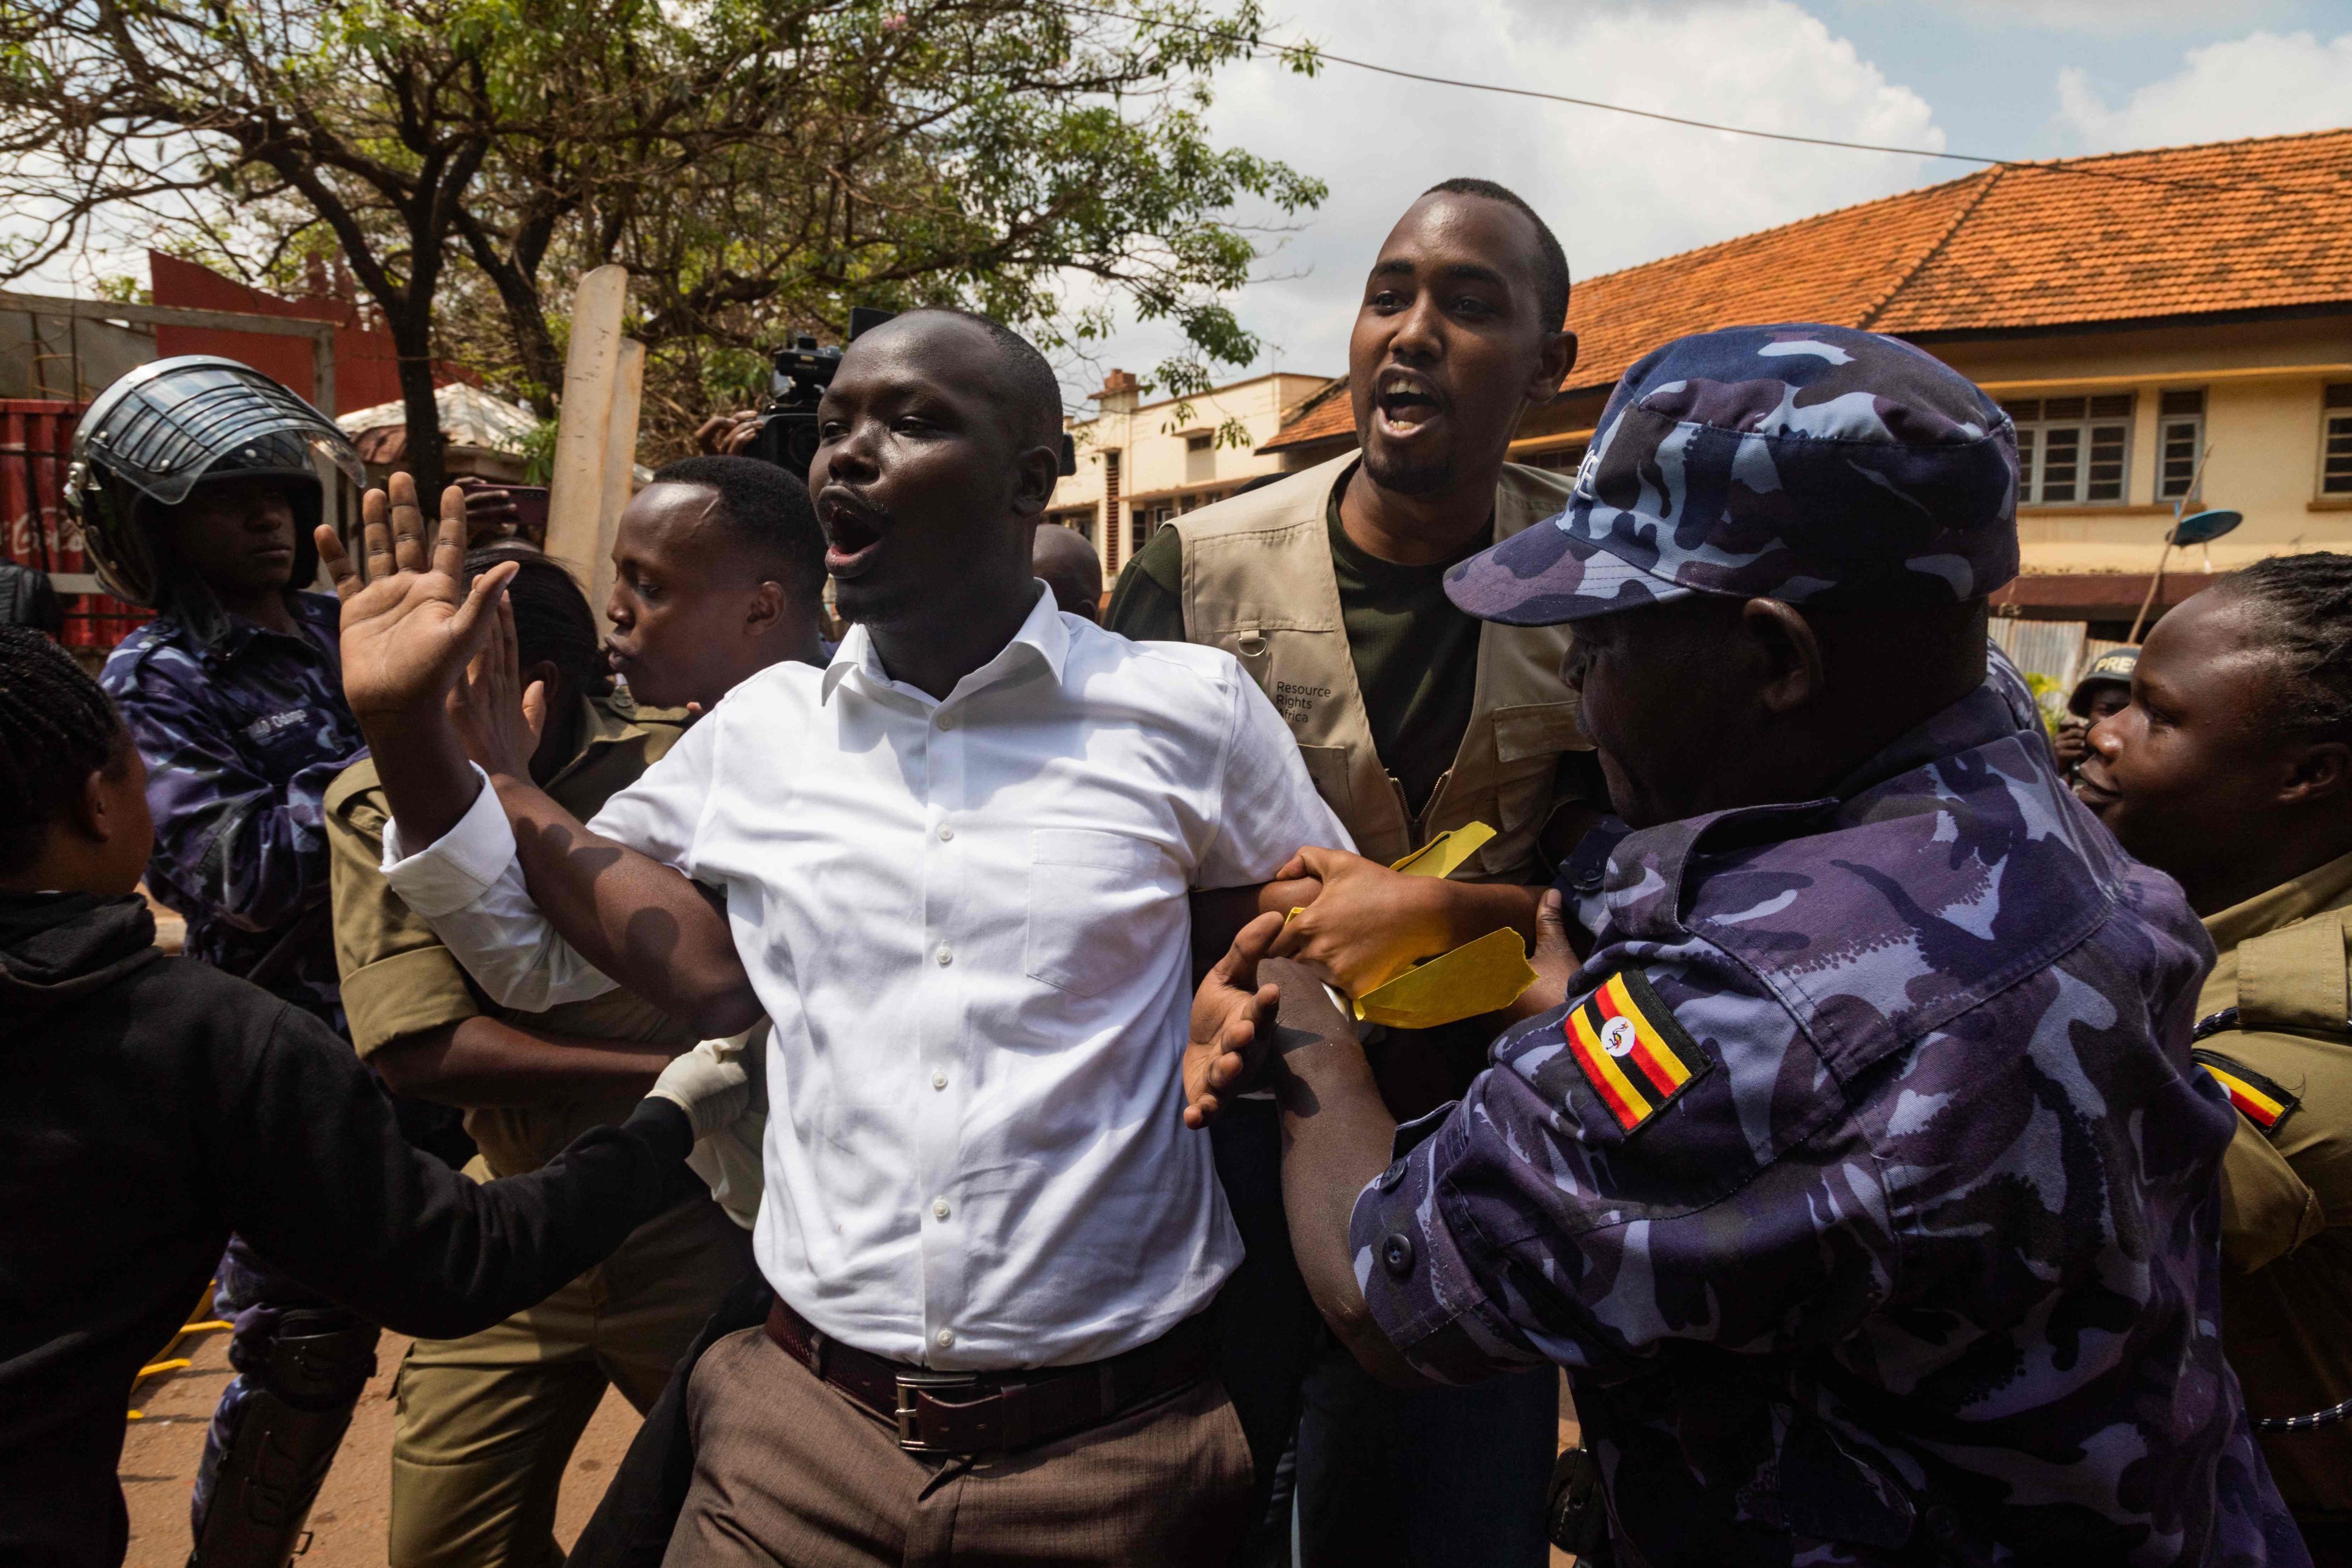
<point x="938" y="1078"/>
<point x="947" y="832"/>
<point x="939" y="1209"/>
<point x="947" y="721"/>
<point x="1396" y="1254"/>
<point x="1392" y="1178"/>
<point x="946" y="955"/>
<point x="945" y="1338"/>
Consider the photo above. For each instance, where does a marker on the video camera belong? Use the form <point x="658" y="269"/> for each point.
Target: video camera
<point x="801" y="372"/>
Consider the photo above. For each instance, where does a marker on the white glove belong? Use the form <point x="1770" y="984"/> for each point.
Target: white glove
<point x="710" y="1083"/>
<point x="730" y="1159"/>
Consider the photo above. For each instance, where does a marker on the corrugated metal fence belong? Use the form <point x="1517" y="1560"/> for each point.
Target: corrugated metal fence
<point x="2059" y="650"/>
<point x="35" y="448"/>
<point x="2053" y="648"/>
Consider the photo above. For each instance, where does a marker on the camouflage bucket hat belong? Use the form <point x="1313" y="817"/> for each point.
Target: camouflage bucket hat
<point x="1807" y="463"/>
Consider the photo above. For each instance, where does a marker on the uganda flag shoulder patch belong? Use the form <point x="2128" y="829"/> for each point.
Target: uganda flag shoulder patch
<point x="2258" y="1098"/>
<point x="1635" y="1055"/>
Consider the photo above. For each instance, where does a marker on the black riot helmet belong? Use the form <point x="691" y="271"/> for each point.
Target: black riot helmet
<point x="164" y="429"/>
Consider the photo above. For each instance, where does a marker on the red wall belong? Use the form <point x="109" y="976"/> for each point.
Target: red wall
<point x="36" y="450"/>
<point x="367" y="367"/>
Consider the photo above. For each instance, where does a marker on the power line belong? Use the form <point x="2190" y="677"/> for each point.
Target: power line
<point x="1257" y="48"/>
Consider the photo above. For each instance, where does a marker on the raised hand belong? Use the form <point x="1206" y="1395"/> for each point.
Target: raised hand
<point x="499" y="719"/>
<point x="1233" y="1023"/>
<point x="410" y="629"/>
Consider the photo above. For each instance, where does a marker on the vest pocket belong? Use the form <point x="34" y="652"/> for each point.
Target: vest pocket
<point x="1091" y="916"/>
<point x="1537" y="729"/>
<point x="1326" y="766"/>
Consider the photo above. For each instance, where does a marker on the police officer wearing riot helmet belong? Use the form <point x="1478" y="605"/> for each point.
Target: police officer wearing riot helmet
<point x="1858" y="1173"/>
<point x="2231" y="770"/>
<point x="2105" y="689"/>
<point x="196" y="483"/>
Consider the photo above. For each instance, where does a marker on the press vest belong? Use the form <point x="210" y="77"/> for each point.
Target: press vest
<point x="1258" y="582"/>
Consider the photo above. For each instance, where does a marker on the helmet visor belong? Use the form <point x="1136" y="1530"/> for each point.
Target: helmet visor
<point x="167" y="427"/>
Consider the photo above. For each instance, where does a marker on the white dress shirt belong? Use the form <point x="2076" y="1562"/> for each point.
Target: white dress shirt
<point x="967" y="919"/>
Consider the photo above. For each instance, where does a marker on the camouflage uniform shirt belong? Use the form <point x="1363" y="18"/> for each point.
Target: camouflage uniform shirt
<point x="1865" y="1187"/>
<point x="243" y="730"/>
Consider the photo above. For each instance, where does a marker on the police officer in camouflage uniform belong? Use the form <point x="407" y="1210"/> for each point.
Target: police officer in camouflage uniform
<point x="197" y="483"/>
<point x="1858" y="1172"/>
<point x="233" y="691"/>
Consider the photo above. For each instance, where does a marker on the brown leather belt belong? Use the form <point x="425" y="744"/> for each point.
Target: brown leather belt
<point x="958" y="1413"/>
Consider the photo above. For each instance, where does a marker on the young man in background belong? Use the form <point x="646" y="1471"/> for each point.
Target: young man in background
<point x="1413" y="718"/>
<point x="717" y="573"/>
<point x="1066" y="560"/>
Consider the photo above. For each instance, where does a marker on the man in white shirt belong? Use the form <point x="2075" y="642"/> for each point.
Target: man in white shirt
<point x="954" y="868"/>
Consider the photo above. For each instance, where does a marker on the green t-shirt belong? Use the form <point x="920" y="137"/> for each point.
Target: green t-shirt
<point x="1416" y="656"/>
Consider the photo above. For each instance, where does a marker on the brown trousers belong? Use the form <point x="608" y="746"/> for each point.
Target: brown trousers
<point x="788" y="1470"/>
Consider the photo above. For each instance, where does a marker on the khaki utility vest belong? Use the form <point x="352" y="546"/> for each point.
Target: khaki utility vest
<point x="1258" y="584"/>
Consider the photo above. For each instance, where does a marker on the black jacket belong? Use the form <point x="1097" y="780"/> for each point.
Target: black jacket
<point x="27" y="599"/>
<point x="151" y="1105"/>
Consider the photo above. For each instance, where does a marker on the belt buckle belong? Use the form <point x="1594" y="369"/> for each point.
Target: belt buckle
<point x="911" y="1386"/>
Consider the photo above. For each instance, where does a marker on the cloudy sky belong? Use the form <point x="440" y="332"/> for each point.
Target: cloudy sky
<point x="2009" y="78"/>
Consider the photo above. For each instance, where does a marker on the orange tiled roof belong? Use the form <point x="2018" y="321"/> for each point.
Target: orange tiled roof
<point x="1321" y="415"/>
<point x="2178" y="231"/>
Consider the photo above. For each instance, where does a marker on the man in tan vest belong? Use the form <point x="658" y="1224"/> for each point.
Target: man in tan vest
<point x="2231" y="770"/>
<point x="1414" y="718"/>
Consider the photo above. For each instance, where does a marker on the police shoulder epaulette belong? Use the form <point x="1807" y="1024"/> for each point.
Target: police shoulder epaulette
<point x="2260" y="1099"/>
<point x="1631" y="1050"/>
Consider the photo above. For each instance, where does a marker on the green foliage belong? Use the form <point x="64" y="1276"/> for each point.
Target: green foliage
<point x="2050" y="697"/>
<point x="539" y="454"/>
<point x="759" y="165"/>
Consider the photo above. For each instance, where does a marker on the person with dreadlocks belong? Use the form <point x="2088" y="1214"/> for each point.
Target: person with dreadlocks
<point x="721" y="574"/>
<point x="197" y="482"/>
<point x="2231" y="770"/>
<point x="150" y="1104"/>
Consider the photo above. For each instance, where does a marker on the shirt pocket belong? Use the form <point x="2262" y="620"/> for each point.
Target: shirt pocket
<point x="1091" y="920"/>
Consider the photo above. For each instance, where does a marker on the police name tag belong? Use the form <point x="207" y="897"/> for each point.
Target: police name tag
<point x="1635" y="1055"/>
<point x="263" y="728"/>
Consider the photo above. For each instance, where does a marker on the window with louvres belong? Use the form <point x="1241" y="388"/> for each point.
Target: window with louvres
<point x="2335" y="441"/>
<point x="2073" y="451"/>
